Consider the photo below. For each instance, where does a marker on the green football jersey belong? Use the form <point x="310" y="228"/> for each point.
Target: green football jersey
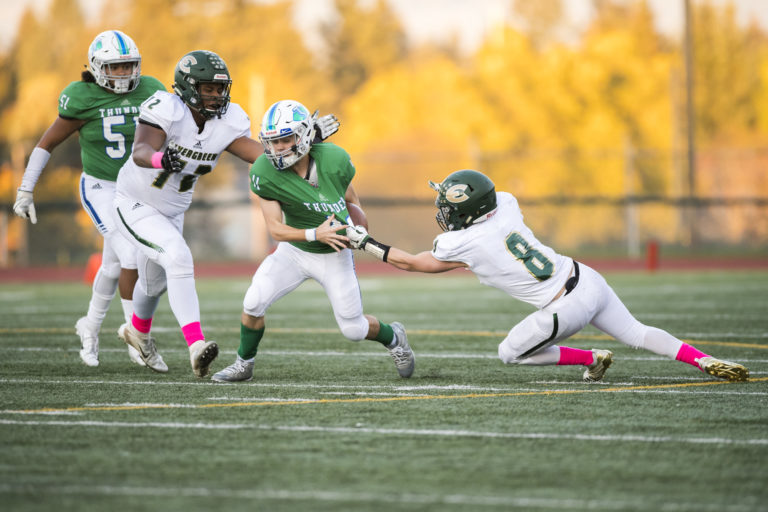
<point x="106" y="138"/>
<point x="304" y="205"/>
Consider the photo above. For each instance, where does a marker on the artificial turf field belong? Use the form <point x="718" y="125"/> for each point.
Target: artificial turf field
<point x="327" y="424"/>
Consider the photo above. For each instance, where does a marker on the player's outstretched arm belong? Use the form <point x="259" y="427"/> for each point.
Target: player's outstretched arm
<point x="279" y="231"/>
<point x="246" y="149"/>
<point x="422" y="262"/>
<point x="59" y="131"/>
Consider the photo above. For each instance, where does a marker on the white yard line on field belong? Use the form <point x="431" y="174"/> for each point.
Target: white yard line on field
<point x="333" y="496"/>
<point x="436" y="433"/>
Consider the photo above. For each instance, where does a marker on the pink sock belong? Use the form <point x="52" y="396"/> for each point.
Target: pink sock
<point x="572" y="356"/>
<point x="140" y="324"/>
<point x="689" y="354"/>
<point x="192" y="332"/>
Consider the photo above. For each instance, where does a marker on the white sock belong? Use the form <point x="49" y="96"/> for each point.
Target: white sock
<point x="104" y="289"/>
<point x="127" y="309"/>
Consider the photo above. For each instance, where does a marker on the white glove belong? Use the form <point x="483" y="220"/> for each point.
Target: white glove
<point x="327" y="126"/>
<point x="358" y="236"/>
<point x="24" y="207"/>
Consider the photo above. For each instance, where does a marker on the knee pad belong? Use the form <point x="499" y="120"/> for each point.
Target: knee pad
<point x="110" y="264"/>
<point x="177" y="259"/>
<point x="254" y="302"/>
<point x="354" y="329"/>
<point x="529" y="333"/>
<point x="152" y="280"/>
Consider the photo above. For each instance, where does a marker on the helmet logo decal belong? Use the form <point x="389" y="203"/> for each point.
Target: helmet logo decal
<point x="121" y="43"/>
<point x="299" y="114"/>
<point x="186" y="63"/>
<point x="457" y="193"/>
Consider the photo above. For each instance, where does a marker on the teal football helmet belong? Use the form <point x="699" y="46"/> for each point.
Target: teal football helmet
<point x="196" y="68"/>
<point x="463" y="198"/>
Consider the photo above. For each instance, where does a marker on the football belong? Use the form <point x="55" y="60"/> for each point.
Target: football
<point x="357" y="215"/>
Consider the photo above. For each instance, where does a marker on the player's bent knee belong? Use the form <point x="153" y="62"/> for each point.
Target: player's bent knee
<point x="508" y="354"/>
<point x="252" y="303"/>
<point x="178" y="261"/>
<point x="354" y="329"/>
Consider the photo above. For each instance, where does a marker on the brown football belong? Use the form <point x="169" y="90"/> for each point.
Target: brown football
<point x="357" y="215"/>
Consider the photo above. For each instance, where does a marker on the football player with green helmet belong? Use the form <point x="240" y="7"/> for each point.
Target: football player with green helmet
<point x="102" y="107"/>
<point x="180" y="138"/>
<point x="484" y="232"/>
<point x="304" y="190"/>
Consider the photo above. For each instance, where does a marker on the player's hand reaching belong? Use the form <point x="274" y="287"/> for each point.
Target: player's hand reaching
<point x="24" y="207"/>
<point x="358" y="236"/>
<point x="327" y="233"/>
<point x="171" y="160"/>
<point x="325" y="126"/>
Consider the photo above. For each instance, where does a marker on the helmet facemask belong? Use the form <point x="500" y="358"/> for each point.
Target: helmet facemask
<point x="210" y="104"/>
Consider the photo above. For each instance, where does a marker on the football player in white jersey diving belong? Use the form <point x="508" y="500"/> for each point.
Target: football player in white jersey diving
<point x="484" y="232"/>
<point x="304" y="190"/>
<point x="179" y="138"/>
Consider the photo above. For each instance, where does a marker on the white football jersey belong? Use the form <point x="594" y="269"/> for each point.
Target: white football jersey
<point x="503" y="252"/>
<point x="171" y="192"/>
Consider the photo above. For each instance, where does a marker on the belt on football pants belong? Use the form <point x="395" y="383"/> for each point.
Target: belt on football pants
<point x="570" y="284"/>
<point x="572" y="281"/>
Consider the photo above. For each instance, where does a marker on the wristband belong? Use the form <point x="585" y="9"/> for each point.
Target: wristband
<point x="377" y="249"/>
<point x="310" y="235"/>
<point x="37" y="160"/>
<point x="157" y="160"/>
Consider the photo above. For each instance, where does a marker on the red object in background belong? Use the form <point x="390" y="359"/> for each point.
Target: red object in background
<point x="94" y="262"/>
<point x="652" y="255"/>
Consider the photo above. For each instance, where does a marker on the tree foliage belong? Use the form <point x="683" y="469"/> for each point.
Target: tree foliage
<point x="603" y="115"/>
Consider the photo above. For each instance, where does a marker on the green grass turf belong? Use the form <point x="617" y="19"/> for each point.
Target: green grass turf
<point x="327" y="425"/>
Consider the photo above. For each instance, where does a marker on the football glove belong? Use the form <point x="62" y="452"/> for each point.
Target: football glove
<point x="326" y="126"/>
<point x="171" y="161"/>
<point x="24" y="207"/>
<point x="358" y="236"/>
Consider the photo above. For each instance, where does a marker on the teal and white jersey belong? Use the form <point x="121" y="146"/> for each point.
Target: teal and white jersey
<point x="171" y="192"/>
<point x="503" y="252"/>
<point x="106" y="137"/>
<point x="305" y="205"/>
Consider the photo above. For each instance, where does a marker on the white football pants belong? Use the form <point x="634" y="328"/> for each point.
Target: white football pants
<point x="594" y="302"/>
<point x="163" y="257"/>
<point x="285" y="269"/>
<point x="97" y="197"/>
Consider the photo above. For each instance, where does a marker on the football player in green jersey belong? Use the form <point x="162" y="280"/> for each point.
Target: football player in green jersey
<point x="103" y="108"/>
<point x="303" y="191"/>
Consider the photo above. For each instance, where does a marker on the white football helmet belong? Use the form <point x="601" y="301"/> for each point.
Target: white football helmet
<point x="110" y="48"/>
<point x="287" y="118"/>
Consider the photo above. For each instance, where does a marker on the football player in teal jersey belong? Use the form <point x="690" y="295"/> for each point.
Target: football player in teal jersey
<point x="484" y="232"/>
<point x="103" y="108"/>
<point x="303" y="189"/>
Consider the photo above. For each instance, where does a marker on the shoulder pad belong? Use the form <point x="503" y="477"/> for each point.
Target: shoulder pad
<point x="162" y="109"/>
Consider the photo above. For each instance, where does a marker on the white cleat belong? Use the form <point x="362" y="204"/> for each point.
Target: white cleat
<point x="241" y="370"/>
<point x="145" y="345"/>
<point x="596" y="370"/>
<point x="401" y="352"/>
<point x="201" y="355"/>
<point x="89" y="341"/>
<point x="133" y="354"/>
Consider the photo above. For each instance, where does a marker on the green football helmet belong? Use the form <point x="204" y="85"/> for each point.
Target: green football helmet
<point x="463" y="198"/>
<point x="196" y="68"/>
